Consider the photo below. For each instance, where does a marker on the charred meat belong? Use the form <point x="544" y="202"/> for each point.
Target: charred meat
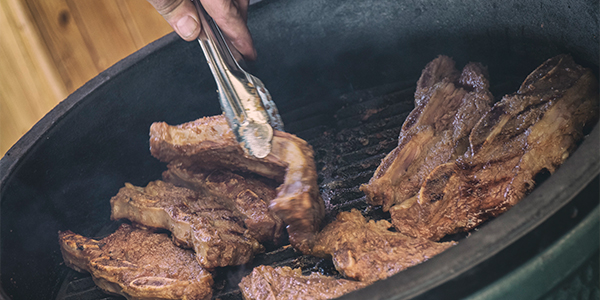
<point x="138" y="264"/>
<point x="215" y="232"/>
<point x="526" y="133"/>
<point x="368" y="251"/>
<point x="281" y="283"/>
<point x="447" y="106"/>
<point x="249" y="195"/>
<point x="209" y="143"/>
<point x="458" y="161"/>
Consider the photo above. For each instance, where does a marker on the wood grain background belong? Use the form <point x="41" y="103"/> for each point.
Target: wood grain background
<point x="49" y="48"/>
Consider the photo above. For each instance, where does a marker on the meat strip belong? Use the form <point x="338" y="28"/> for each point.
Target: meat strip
<point x="208" y="143"/>
<point x="215" y="232"/>
<point x="281" y="283"/>
<point x="447" y="106"/>
<point x="137" y="264"/>
<point x="248" y="195"/>
<point x="368" y="251"/>
<point x="440" y="69"/>
<point x="527" y="133"/>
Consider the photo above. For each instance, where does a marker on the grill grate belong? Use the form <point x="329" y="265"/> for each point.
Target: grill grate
<point x="81" y="286"/>
<point x="347" y="152"/>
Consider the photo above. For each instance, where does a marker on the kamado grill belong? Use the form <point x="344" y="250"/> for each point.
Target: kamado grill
<point x="343" y="75"/>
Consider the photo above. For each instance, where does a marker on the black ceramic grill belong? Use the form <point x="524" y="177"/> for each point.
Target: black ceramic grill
<point x="348" y="150"/>
<point x="342" y="74"/>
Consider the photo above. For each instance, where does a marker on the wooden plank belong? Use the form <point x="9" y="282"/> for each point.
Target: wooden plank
<point x="38" y="52"/>
<point x="49" y="48"/>
<point x="64" y="40"/>
<point x="104" y="30"/>
<point x="132" y="27"/>
<point x="144" y="22"/>
<point x="29" y="84"/>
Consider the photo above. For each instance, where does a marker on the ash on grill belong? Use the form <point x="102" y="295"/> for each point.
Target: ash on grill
<point x="347" y="152"/>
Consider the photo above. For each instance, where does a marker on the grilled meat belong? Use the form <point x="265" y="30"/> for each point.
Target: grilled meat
<point x="447" y="106"/>
<point x="532" y="131"/>
<point x="138" y="264"/>
<point x="209" y="143"/>
<point x="215" y="232"/>
<point x="440" y="69"/>
<point x="369" y="251"/>
<point x="248" y="195"/>
<point x="282" y="283"/>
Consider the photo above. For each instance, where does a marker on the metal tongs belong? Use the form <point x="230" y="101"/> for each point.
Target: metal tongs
<point x="248" y="107"/>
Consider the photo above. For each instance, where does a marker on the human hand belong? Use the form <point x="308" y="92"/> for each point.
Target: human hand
<point x="230" y="16"/>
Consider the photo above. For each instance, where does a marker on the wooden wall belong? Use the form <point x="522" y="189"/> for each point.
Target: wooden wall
<point x="49" y="48"/>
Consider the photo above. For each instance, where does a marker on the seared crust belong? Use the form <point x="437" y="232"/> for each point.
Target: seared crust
<point x="368" y="251"/>
<point x="298" y="200"/>
<point x="216" y="233"/>
<point x="138" y="264"/>
<point x="434" y="72"/>
<point x="248" y="195"/>
<point x="534" y="130"/>
<point x="447" y="106"/>
<point x="281" y="283"/>
<point x="208" y="143"/>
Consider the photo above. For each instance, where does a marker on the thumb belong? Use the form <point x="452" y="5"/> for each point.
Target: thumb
<point x="181" y="15"/>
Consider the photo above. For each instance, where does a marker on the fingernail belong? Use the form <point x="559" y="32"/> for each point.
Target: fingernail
<point x="187" y="26"/>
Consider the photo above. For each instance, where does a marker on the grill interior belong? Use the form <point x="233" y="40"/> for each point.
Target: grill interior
<point x="349" y="144"/>
<point x="329" y="55"/>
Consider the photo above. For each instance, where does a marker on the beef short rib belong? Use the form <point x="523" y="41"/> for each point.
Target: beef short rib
<point x="532" y="131"/>
<point x="215" y="232"/>
<point x="138" y="264"/>
<point x="283" y="283"/>
<point x="248" y="194"/>
<point x="209" y="143"/>
<point x="368" y="251"/>
<point x="447" y="106"/>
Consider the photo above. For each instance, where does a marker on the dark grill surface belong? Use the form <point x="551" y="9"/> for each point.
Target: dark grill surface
<point x="364" y="129"/>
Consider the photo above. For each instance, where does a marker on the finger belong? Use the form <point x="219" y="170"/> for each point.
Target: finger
<point x="243" y="7"/>
<point x="181" y="15"/>
<point x="230" y="16"/>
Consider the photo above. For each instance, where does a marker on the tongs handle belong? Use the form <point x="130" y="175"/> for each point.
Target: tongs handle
<point x="244" y="100"/>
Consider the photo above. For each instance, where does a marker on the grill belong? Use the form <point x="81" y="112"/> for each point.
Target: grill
<point x="344" y="83"/>
<point x="364" y="129"/>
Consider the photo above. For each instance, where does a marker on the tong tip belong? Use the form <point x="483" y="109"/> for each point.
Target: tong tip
<point x="256" y="138"/>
